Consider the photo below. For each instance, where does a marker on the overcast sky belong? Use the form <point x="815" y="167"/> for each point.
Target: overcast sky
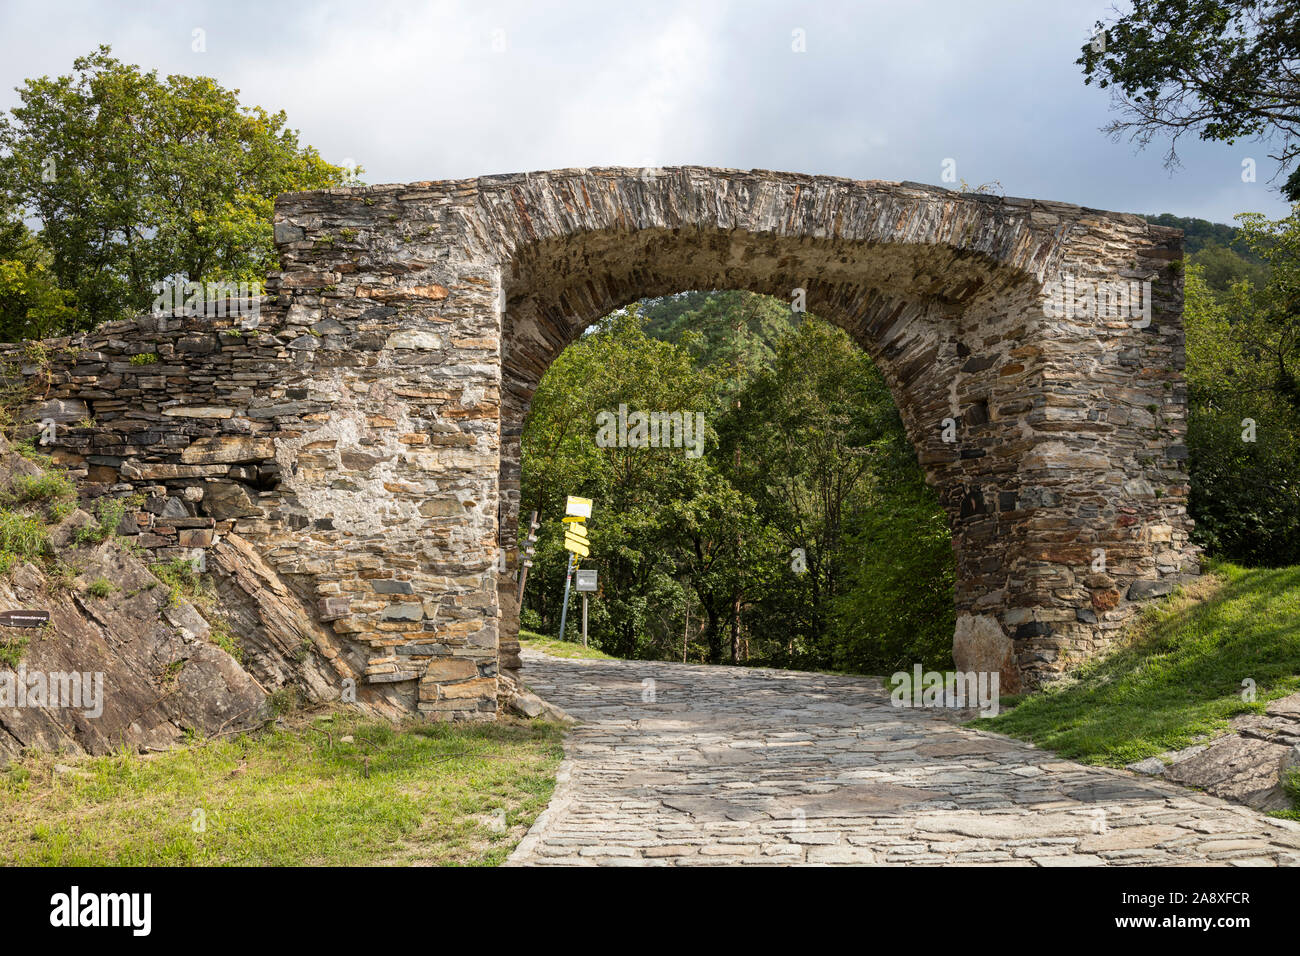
<point x="884" y="90"/>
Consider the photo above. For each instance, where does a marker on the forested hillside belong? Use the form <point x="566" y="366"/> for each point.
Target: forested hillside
<point x="1217" y="249"/>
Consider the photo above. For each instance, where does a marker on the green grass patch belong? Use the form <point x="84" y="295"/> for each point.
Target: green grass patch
<point x="418" y="793"/>
<point x="183" y="583"/>
<point x="558" y="648"/>
<point x="12" y="649"/>
<point x="108" y="515"/>
<point x="22" y="536"/>
<point x="101" y="588"/>
<point x="49" y="486"/>
<point x="1180" y="675"/>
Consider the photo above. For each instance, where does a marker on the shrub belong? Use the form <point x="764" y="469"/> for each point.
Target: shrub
<point x="101" y="588"/>
<point x="108" y="514"/>
<point x="21" y="536"/>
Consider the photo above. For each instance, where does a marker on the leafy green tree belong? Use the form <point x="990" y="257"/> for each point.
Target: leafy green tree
<point x="32" y="305"/>
<point x="1223" y="267"/>
<point x="1222" y="69"/>
<point x="635" y="488"/>
<point x="896" y="605"/>
<point x="800" y="441"/>
<point x="1243" y="428"/>
<point x="136" y="179"/>
<point x="734" y="329"/>
<point x="803" y="536"/>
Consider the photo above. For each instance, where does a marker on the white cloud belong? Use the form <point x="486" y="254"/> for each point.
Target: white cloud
<point x="885" y="90"/>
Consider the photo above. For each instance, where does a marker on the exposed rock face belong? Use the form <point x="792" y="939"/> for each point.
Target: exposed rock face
<point x="392" y="372"/>
<point x="1248" y="765"/>
<point x="135" y="665"/>
<point x="158" y="679"/>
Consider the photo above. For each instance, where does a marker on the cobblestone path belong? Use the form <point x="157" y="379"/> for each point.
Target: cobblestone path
<point x="677" y="764"/>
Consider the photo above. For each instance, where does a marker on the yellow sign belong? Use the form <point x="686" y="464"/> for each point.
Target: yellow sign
<point x="576" y="511"/>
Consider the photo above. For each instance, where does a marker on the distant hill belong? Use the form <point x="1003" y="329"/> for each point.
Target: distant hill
<point x="1197" y="232"/>
<point x="1214" y="246"/>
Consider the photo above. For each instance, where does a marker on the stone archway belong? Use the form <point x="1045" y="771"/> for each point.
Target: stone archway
<point x="1053" y="434"/>
<point x="365" y="436"/>
<point x="1039" y="430"/>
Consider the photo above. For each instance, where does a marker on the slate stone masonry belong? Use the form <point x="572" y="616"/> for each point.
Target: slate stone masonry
<point x="365" y="435"/>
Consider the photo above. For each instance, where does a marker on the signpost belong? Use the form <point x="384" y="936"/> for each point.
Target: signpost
<point x="576" y="511"/>
<point x="586" y="583"/>
<point x="24" y="618"/>
<point x="530" y="547"/>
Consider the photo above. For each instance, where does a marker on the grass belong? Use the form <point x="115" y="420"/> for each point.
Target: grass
<point x="183" y="583"/>
<point x="101" y="587"/>
<point x="22" y="536"/>
<point x="49" y="486"/>
<point x="1180" y="676"/>
<point x="12" y="649"/>
<point x="1291" y="787"/>
<point x="420" y="793"/>
<point x="108" y="515"/>
<point x="558" y="648"/>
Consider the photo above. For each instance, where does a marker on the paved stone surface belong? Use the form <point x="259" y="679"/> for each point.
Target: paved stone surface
<point x="678" y="765"/>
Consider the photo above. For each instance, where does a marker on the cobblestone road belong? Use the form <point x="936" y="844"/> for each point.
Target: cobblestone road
<point x="690" y="765"/>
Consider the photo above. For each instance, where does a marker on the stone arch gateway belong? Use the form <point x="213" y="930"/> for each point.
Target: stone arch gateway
<point x="1035" y="352"/>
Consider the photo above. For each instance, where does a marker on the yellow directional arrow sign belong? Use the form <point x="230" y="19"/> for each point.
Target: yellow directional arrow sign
<point x="577" y="545"/>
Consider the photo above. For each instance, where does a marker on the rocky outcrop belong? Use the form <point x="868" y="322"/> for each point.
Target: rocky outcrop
<point x="128" y="661"/>
<point x="1247" y="765"/>
<point x="158" y="676"/>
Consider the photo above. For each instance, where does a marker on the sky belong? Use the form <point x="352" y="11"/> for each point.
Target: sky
<point x="896" y="90"/>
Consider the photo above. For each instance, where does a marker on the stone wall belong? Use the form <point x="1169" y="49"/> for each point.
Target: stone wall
<point x="365" y="437"/>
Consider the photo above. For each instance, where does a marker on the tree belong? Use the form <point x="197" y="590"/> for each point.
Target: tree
<point x="1222" y="69"/>
<point x="800" y="441"/>
<point x="1243" y="433"/>
<point x="780" y="538"/>
<point x="1268" y="315"/>
<point x="32" y="305"/>
<point x="136" y="180"/>
<point x="635" y="488"/>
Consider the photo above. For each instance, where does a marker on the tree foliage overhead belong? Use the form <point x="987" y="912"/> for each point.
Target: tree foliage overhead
<point x="136" y="179"/>
<point x="1220" y="69"/>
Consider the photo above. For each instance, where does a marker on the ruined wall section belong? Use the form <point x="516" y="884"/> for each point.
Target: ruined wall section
<point x="364" y="437"/>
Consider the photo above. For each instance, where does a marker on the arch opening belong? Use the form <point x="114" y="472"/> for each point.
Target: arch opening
<point x="922" y="313"/>
<point x="742" y="543"/>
